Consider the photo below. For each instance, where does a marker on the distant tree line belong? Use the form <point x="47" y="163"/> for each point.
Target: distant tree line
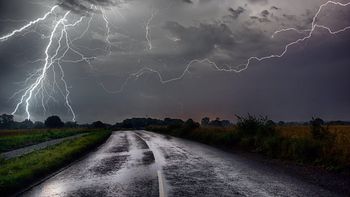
<point x="8" y="122"/>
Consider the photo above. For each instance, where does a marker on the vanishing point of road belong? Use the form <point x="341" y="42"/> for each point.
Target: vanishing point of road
<point x="141" y="163"/>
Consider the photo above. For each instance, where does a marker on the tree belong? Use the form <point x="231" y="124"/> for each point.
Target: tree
<point x="205" y="121"/>
<point x="317" y="131"/>
<point x="216" y="122"/>
<point x="6" y="121"/>
<point x="54" y="122"/>
<point x="70" y="124"/>
<point x="190" y="125"/>
<point x="39" y="125"/>
<point x="98" y="124"/>
<point x="173" y="123"/>
<point x="26" y="124"/>
<point x="225" y="123"/>
<point x="281" y="123"/>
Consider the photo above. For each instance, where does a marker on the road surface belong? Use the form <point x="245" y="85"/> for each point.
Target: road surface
<point x="140" y="163"/>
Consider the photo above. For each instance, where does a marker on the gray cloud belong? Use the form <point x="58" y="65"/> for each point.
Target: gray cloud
<point x="265" y="13"/>
<point x="201" y="40"/>
<point x="235" y="13"/>
<point x="263" y="17"/>
<point x="274" y="8"/>
<point x="183" y="30"/>
<point x="188" y="1"/>
<point x="258" y="1"/>
<point x="85" y="6"/>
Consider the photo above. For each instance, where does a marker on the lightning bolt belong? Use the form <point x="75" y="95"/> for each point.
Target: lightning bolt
<point x="27" y="96"/>
<point x="38" y="87"/>
<point x="109" y="44"/>
<point x="38" y="84"/>
<point x="148" y="29"/>
<point x="60" y="43"/>
<point x="241" y="67"/>
<point x="5" y="37"/>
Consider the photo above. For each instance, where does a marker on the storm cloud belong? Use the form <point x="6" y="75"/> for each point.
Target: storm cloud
<point x="226" y="32"/>
<point x="86" y="6"/>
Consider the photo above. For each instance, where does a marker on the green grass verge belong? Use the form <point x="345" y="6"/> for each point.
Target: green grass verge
<point x="20" y="172"/>
<point x="15" y="141"/>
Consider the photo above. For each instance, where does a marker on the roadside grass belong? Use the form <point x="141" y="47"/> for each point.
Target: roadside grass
<point x="293" y="143"/>
<point x="20" y="172"/>
<point x="14" y="139"/>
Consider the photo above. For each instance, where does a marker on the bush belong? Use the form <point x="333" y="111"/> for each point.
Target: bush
<point x="313" y="145"/>
<point x="271" y="146"/>
<point x="54" y="122"/>
<point x="190" y="125"/>
<point x="253" y="126"/>
<point x="305" y="150"/>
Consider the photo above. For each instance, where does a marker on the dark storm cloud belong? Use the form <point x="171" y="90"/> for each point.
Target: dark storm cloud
<point x="202" y="39"/>
<point x="274" y="8"/>
<point x="258" y="1"/>
<point x="196" y="31"/>
<point x="265" y="13"/>
<point x="187" y="1"/>
<point x="85" y="6"/>
<point x="289" y="17"/>
<point x="235" y="13"/>
<point x="263" y="17"/>
<point x="260" y="19"/>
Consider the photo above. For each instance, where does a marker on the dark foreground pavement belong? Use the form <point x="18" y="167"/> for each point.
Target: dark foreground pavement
<point x="140" y="163"/>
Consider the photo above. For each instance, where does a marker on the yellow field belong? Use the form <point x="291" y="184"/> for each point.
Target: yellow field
<point x="341" y="132"/>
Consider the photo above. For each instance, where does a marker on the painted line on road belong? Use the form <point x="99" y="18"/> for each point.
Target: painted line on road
<point x="162" y="192"/>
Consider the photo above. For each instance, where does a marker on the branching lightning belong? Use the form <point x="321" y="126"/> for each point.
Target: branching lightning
<point x="38" y="83"/>
<point x="59" y="36"/>
<point x="241" y="67"/>
<point x="27" y="96"/>
<point x="5" y="37"/>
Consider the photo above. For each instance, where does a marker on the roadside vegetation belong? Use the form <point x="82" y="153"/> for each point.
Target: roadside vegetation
<point x="20" y="172"/>
<point x="314" y="143"/>
<point x="14" y="139"/>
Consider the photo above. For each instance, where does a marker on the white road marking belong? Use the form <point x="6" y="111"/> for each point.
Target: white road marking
<point x="162" y="192"/>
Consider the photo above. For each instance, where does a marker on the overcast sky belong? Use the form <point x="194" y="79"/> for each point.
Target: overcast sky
<point x="312" y="78"/>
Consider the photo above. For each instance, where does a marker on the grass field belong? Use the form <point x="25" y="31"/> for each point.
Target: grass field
<point x="19" y="172"/>
<point x="294" y="143"/>
<point x="337" y="149"/>
<point x="13" y="139"/>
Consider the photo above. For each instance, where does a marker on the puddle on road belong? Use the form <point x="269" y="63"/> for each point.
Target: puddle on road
<point x="148" y="158"/>
<point x="110" y="164"/>
<point x="140" y="143"/>
<point x="124" y="166"/>
<point x="123" y="145"/>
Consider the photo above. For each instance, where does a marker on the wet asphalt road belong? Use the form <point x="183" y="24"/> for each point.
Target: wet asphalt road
<point x="140" y="163"/>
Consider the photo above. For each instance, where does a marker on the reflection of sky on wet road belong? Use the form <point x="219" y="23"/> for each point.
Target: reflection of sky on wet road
<point x="119" y="168"/>
<point x="128" y="164"/>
